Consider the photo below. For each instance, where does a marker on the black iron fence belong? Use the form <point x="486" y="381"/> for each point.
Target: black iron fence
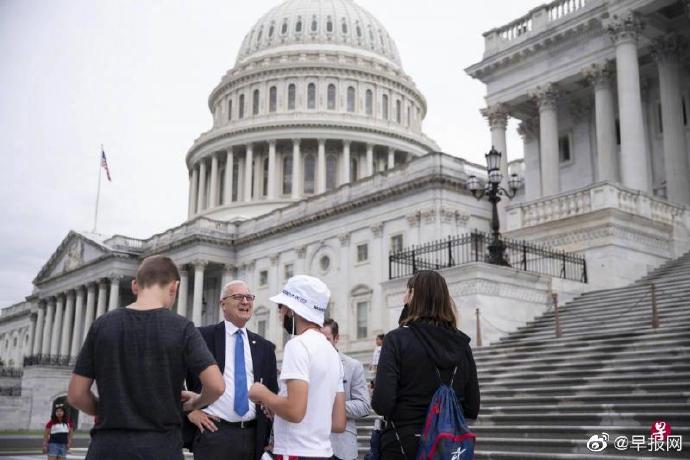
<point x="473" y="247"/>
<point x="11" y="372"/>
<point x="47" y="360"/>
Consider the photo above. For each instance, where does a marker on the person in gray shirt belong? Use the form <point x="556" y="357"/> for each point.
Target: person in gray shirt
<point x="357" y="403"/>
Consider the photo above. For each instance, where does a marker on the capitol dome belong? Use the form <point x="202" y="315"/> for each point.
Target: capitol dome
<point x="317" y="98"/>
<point x="319" y="25"/>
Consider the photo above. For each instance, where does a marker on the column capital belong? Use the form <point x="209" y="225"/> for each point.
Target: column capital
<point x="272" y="143"/>
<point x="669" y="48"/>
<point x="321" y="141"/>
<point x="69" y="293"/>
<point x="347" y="142"/>
<point x="496" y="115"/>
<point x="344" y="239"/>
<point x="624" y="27"/>
<point x="599" y="74"/>
<point x="274" y="259"/>
<point x="528" y="129"/>
<point x="199" y="264"/>
<point x="545" y="96"/>
<point x="377" y="229"/>
<point x="114" y="277"/>
<point x="301" y="252"/>
<point x="413" y="219"/>
<point x="296" y="141"/>
<point x="230" y="149"/>
<point x="229" y="267"/>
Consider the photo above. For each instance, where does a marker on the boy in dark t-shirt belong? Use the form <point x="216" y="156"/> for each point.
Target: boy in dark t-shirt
<point x="139" y="357"/>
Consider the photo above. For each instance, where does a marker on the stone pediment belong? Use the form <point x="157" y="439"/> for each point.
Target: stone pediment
<point x="75" y="251"/>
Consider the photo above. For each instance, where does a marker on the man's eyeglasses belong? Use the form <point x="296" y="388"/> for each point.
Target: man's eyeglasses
<point x="240" y="297"/>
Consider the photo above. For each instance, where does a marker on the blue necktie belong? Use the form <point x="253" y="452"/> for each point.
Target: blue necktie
<point x="241" y="405"/>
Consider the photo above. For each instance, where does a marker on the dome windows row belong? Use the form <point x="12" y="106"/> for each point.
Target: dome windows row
<point x="286" y="97"/>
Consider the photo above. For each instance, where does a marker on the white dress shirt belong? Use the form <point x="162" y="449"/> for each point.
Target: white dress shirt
<point x="223" y="407"/>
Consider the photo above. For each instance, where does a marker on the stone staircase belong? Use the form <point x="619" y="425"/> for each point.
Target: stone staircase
<point x="610" y="371"/>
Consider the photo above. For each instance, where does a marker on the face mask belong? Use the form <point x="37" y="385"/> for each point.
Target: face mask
<point x="289" y="323"/>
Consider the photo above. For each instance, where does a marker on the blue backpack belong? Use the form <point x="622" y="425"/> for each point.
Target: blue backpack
<point x="446" y="435"/>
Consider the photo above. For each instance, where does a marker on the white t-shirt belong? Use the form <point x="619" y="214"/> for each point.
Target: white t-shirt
<point x="309" y="357"/>
<point x="376" y="355"/>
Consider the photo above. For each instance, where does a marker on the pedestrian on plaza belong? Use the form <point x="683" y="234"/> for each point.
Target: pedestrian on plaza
<point x="57" y="436"/>
<point x="233" y="426"/>
<point x="139" y="356"/>
<point x="406" y="380"/>
<point x="311" y="379"/>
<point x="377" y="353"/>
<point x="357" y="397"/>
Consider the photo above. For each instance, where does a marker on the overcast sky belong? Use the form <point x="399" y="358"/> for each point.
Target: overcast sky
<point x="135" y="75"/>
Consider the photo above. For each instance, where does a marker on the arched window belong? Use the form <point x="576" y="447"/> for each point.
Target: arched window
<point x="235" y="180"/>
<point x="229" y="109"/>
<point x="241" y="114"/>
<point x="265" y="178"/>
<point x="287" y="174"/>
<point x="270" y="30"/>
<point x="258" y="37"/>
<point x="298" y="25"/>
<point x="311" y="96"/>
<point x="329" y="25"/>
<point x="309" y="173"/>
<point x="314" y="24"/>
<point x="221" y="186"/>
<point x="272" y="99"/>
<point x="408" y="117"/>
<point x="350" y="99"/>
<point x="291" y="96"/>
<point x="331" y="97"/>
<point x="398" y="111"/>
<point x="255" y="102"/>
<point x="359" y="31"/>
<point x="369" y="102"/>
<point x="284" y="27"/>
<point x="331" y="172"/>
<point x="354" y="173"/>
<point x="343" y="26"/>
<point x="384" y="106"/>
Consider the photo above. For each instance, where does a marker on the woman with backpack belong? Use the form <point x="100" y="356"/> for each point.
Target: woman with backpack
<point x="426" y="351"/>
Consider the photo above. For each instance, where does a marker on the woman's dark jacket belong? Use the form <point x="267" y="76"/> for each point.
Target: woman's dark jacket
<point x="406" y="379"/>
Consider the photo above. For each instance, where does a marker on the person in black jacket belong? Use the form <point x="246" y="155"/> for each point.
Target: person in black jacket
<point x="406" y="378"/>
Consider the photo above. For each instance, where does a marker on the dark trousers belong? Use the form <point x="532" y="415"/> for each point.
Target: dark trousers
<point x="228" y="442"/>
<point x="390" y="446"/>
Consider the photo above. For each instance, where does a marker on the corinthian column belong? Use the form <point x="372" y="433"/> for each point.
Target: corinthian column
<point x="67" y="324"/>
<point x="48" y="327"/>
<point x="201" y="202"/>
<point x="346" y="162"/>
<point x="193" y="188"/>
<point x="667" y="52"/>
<point x="271" y="170"/>
<point x="248" y="172"/>
<point x="114" y="300"/>
<point x="634" y="163"/>
<point x="370" y="160"/>
<point x="213" y="192"/>
<point x="57" y="326"/>
<point x="497" y="117"/>
<point x="78" y="323"/>
<point x="183" y="292"/>
<point x="229" y="168"/>
<point x="545" y="97"/>
<point x="296" y="163"/>
<point x="102" y="300"/>
<point x="600" y="77"/>
<point x="90" y="307"/>
<point x="198" y="292"/>
<point x="321" y="167"/>
<point x="38" y="332"/>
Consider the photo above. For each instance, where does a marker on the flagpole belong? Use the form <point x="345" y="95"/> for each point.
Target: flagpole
<point x="98" y="191"/>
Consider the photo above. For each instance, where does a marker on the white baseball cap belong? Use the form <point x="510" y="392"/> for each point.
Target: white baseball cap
<point x="306" y="296"/>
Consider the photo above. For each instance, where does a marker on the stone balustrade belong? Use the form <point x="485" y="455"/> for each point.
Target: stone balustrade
<point x="592" y="198"/>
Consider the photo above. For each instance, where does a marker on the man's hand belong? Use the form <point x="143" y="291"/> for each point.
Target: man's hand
<point x="45" y="447"/>
<point x="257" y="392"/>
<point x="203" y="421"/>
<point x="189" y="400"/>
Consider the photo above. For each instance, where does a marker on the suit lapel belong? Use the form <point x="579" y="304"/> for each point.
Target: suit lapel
<point x="256" y="354"/>
<point x="219" y="342"/>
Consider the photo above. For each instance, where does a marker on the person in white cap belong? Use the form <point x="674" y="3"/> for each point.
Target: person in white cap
<point x="311" y="372"/>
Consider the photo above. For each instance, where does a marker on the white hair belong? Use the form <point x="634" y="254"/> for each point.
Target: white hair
<point x="229" y="285"/>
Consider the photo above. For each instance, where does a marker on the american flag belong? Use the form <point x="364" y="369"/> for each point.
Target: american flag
<point x="104" y="165"/>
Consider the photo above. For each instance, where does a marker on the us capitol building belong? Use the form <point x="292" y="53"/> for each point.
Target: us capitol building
<point x="317" y="163"/>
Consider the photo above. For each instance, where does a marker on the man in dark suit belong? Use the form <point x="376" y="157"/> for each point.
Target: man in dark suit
<point x="233" y="426"/>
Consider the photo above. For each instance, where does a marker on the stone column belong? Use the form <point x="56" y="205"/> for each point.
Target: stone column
<point x="228" y="275"/>
<point x="201" y="195"/>
<point x="370" y="160"/>
<point x="497" y="117"/>
<point x="391" y="158"/>
<point x="67" y="324"/>
<point x="600" y="76"/>
<point x="296" y="168"/>
<point x="48" y="327"/>
<point x="529" y="131"/>
<point x="248" y="171"/>
<point x="198" y="292"/>
<point x="90" y="307"/>
<point x="321" y="167"/>
<point x="271" y="170"/>
<point x="634" y="161"/>
<point x="183" y="292"/>
<point x="38" y="332"/>
<point x="545" y="98"/>
<point x="346" y="162"/>
<point x="57" y="326"/>
<point x="193" y="188"/>
<point x="114" y="300"/>
<point x="229" y="167"/>
<point x="102" y="293"/>
<point x="78" y="323"/>
<point x="667" y="51"/>
<point x="213" y="192"/>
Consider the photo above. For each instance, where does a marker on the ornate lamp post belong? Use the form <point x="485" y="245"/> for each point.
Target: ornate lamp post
<point x="494" y="191"/>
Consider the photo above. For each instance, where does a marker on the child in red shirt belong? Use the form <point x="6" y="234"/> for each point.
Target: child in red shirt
<point x="57" y="437"/>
